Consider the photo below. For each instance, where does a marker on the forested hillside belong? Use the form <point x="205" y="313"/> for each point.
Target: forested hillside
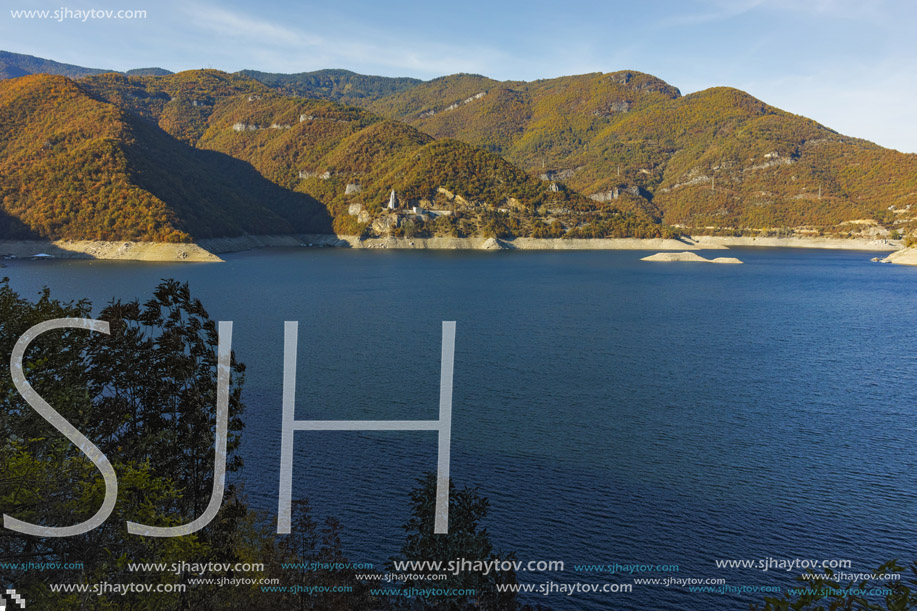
<point x="316" y="151"/>
<point x="338" y="85"/>
<point x="206" y="153"/>
<point x="75" y="167"/>
<point x="718" y="158"/>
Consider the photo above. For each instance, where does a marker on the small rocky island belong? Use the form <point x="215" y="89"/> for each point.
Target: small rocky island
<point x="688" y="256"/>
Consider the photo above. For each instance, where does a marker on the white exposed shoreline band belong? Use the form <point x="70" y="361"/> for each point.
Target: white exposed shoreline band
<point x="208" y="250"/>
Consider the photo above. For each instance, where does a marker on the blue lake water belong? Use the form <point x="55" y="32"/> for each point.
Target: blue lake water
<point x="612" y="410"/>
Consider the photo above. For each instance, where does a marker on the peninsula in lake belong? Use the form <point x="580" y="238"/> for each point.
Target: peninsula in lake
<point x="101" y="162"/>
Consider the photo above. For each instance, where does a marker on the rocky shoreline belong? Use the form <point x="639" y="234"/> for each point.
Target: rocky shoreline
<point x="906" y="256"/>
<point x="224" y="245"/>
<point x="91" y="249"/>
<point x="866" y="244"/>
<point x="207" y="250"/>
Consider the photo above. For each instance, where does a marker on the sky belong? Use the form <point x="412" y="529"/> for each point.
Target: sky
<point x="849" y="64"/>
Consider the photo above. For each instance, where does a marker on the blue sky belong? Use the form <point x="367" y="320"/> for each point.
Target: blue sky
<point x="849" y="64"/>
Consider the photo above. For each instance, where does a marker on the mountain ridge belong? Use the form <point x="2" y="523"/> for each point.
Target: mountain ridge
<point x="204" y="154"/>
<point x="19" y="64"/>
<point x="598" y="152"/>
<point x="74" y="167"/>
<point x="604" y="134"/>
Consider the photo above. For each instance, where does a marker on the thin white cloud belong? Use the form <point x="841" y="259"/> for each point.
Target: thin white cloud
<point x="241" y="26"/>
<point x="291" y="48"/>
<point x="838" y="9"/>
<point x="712" y="11"/>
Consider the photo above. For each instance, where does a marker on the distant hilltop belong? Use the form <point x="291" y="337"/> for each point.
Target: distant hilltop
<point x="151" y="155"/>
<point x="15" y="64"/>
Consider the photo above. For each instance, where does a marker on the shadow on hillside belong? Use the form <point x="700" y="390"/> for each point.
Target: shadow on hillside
<point x="11" y="228"/>
<point x="215" y="195"/>
<point x="18" y="240"/>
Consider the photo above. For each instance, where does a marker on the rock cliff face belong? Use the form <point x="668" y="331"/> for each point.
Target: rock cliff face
<point x="384" y="224"/>
<point x="606" y="196"/>
<point x="564" y="174"/>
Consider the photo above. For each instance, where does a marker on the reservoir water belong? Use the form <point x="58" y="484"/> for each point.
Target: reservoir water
<point x="612" y="410"/>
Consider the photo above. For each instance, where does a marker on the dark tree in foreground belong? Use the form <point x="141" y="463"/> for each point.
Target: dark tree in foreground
<point x="310" y="543"/>
<point x="157" y="372"/>
<point x="466" y="539"/>
<point x="827" y="594"/>
<point x="310" y="563"/>
<point x="146" y="396"/>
